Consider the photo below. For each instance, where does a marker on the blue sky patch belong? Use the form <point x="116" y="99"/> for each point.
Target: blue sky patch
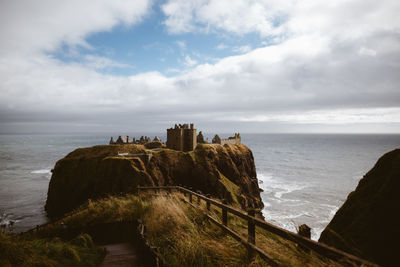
<point x="149" y="47"/>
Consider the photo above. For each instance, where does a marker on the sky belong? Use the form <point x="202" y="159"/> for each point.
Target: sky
<point x="265" y="66"/>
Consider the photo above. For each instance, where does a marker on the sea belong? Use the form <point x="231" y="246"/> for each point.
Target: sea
<point x="305" y="177"/>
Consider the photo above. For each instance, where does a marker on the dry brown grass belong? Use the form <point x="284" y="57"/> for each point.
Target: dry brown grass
<point x="282" y="251"/>
<point x="17" y="250"/>
<point x="185" y="236"/>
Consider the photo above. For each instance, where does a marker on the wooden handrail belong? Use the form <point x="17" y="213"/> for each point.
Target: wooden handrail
<point x="320" y="248"/>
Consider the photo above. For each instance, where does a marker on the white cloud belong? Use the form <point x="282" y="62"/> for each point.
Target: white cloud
<point x="343" y="116"/>
<point x="31" y="26"/>
<point x="367" y="52"/>
<point x="221" y="47"/>
<point x="173" y="70"/>
<point x="333" y="62"/>
<point x="242" y="49"/>
<point x="283" y="19"/>
<point x="238" y="16"/>
<point x="189" y="62"/>
<point x="99" y="62"/>
<point x="181" y="44"/>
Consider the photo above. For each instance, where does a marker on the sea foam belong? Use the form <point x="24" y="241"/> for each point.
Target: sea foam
<point x="42" y="171"/>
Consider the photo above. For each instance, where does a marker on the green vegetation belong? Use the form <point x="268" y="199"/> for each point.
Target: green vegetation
<point x="25" y="250"/>
<point x="108" y="210"/>
<point x="183" y="234"/>
<point x="233" y="189"/>
<point x="224" y="172"/>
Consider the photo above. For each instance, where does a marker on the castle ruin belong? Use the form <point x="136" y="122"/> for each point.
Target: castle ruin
<point x="182" y="137"/>
<point x="124" y="140"/>
<point x="233" y="140"/>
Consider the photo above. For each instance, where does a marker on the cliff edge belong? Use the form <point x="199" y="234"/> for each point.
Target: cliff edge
<point x="367" y="224"/>
<point x="225" y="172"/>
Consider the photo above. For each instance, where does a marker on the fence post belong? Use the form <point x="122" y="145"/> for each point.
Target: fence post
<point x="208" y="205"/>
<point x="251" y="227"/>
<point x="224" y="216"/>
<point x="190" y="198"/>
<point x="198" y="198"/>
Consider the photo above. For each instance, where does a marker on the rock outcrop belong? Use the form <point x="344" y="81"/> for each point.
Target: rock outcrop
<point x="225" y="172"/>
<point x="368" y="222"/>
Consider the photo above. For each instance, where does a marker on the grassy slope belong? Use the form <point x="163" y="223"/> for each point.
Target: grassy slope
<point x="184" y="235"/>
<point x="24" y="250"/>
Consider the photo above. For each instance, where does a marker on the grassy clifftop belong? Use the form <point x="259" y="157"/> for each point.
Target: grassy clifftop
<point x="225" y="172"/>
<point x="183" y="235"/>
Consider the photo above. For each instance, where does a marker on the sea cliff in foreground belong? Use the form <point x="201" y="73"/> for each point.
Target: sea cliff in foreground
<point x="225" y="172"/>
<point x="367" y="224"/>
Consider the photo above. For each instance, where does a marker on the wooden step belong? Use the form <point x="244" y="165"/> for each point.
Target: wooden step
<point x="121" y="254"/>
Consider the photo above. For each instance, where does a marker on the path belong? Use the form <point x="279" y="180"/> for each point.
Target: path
<point x="121" y="254"/>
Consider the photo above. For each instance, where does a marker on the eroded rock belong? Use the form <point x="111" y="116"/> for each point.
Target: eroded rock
<point x="225" y="172"/>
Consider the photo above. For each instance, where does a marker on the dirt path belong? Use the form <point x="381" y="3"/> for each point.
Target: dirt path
<point x="121" y="254"/>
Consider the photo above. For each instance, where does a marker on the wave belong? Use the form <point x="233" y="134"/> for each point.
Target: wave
<point x="42" y="171"/>
<point x="47" y="172"/>
<point x="332" y="212"/>
<point x="5" y="219"/>
<point x="292" y="221"/>
<point x="290" y="211"/>
<point x="280" y="217"/>
<point x="277" y="186"/>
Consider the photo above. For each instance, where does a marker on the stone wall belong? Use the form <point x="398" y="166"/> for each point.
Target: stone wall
<point x="233" y="140"/>
<point x="175" y="138"/>
<point x="124" y="140"/>
<point x="182" y="137"/>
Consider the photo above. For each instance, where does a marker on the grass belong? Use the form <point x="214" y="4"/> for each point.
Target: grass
<point x="183" y="235"/>
<point x="108" y="210"/>
<point x="282" y="251"/>
<point x="186" y="238"/>
<point x="20" y="250"/>
<point x="232" y="188"/>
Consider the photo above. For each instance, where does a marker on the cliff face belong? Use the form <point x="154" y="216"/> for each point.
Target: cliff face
<point x="226" y="172"/>
<point x="367" y="224"/>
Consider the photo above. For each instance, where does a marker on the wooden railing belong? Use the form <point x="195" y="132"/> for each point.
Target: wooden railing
<point x="252" y="222"/>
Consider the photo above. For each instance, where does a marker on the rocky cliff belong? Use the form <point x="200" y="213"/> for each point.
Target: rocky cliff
<point x="225" y="172"/>
<point x="368" y="222"/>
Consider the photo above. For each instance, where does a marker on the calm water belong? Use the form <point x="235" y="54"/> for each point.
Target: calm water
<point x="305" y="178"/>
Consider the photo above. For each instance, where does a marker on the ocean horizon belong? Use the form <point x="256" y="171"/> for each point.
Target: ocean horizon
<point x="305" y="177"/>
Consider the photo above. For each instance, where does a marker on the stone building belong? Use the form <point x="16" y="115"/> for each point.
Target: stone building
<point x="182" y="137"/>
<point x="123" y="140"/>
<point x="233" y="140"/>
<point x="216" y="139"/>
<point x="200" y="138"/>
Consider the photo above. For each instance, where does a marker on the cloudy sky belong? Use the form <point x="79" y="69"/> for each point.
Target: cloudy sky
<point x="226" y="65"/>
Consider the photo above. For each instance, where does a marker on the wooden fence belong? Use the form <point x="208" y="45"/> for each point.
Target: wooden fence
<point x="252" y="222"/>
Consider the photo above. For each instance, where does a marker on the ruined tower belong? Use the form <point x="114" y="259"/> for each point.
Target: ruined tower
<point x="182" y="137"/>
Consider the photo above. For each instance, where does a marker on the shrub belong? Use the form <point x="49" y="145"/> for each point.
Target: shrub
<point x="70" y="253"/>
